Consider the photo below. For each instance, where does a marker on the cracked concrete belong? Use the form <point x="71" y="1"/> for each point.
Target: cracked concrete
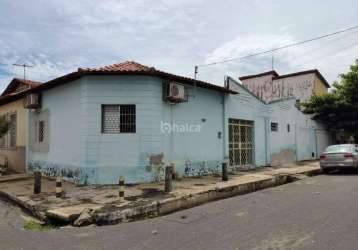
<point x="142" y="200"/>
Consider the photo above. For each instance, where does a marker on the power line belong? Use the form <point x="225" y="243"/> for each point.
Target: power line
<point x="320" y="47"/>
<point x="332" y="53"/>
<point x="279" y="48"/>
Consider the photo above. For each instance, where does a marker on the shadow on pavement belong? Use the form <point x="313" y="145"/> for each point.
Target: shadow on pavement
<point x="343" y="172"/>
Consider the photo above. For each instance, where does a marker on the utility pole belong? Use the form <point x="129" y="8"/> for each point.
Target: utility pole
<point x="24" y="66"/>
<point x="272" y="61"/>
<point x="196" y="69"/>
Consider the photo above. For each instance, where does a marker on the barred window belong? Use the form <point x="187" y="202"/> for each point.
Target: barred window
<point x="118" y="119"/>
<point x="41" y="131"/>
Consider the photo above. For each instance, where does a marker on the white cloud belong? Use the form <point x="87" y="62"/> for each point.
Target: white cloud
<point x="330" y="55"/>
<point x="60" y="36"/>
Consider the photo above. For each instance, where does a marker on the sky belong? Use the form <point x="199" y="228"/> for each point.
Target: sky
<point x="57" y="37"/>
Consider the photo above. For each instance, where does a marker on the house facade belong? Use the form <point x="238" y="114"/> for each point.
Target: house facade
<point x="94" y="125"/>
<point x="13" y="143"/>
<point x="270" y="86"/>
<point x="100" y="124"/>
<point x="281" y="132"/>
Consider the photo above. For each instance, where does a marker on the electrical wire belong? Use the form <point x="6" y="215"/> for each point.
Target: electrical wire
<point x="335" y="52"/>
<point x="280" y="48"/>
<point x="319" y="47"/>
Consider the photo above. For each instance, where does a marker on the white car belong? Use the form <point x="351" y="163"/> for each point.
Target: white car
<point x="339" y="156"/>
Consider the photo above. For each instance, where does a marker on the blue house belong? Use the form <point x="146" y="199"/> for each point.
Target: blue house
<point x="96" y="124"/>
<point x="274" y="133"/>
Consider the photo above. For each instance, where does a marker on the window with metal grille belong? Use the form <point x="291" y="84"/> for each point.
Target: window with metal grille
<point x="41" y="131"/>
<point x="274" y="126"/>
<point x="12" y="130"/>
<point x="118" y="119"/>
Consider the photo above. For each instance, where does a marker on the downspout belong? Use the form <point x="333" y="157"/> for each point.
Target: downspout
<point x="30" y="113"/>
<point x="226" y="85"/>
<point x="27" y="150"/>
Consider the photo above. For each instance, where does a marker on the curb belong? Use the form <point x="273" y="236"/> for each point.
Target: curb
<point x="15" y="177"/>
<point x="105" y="216"/>
<point x="158" y="208"/>
<point x="32" y="209"/>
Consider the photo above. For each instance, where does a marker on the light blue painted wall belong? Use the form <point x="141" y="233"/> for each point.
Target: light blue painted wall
<point x="197" y="151"/>
<point x="83" y="153"/>
<point x="271" y="147"/>
<point x="78" y="147"/>
<point x="64" y="119"/>
<point x="246" y="106"/>
<point x="302" y="136"/>
<point x="112" y="155"/>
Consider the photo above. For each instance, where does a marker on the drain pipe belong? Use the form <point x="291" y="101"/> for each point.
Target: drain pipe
<point x="28" y="140"/>
<point x="226" y="85"/>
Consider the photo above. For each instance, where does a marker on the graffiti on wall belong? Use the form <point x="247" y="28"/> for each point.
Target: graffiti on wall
<point x="201" y="168"/>
<point x="75" y="174"/>
<point x="156" y="166"/>
<point x="269" y="89"/>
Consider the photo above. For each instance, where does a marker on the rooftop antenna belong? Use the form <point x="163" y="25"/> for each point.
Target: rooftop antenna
<point x="272" y="61"/>
<point x="24" y="66"/>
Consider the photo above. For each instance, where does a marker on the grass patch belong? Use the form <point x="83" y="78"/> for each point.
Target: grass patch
<point x="35" y="226"/>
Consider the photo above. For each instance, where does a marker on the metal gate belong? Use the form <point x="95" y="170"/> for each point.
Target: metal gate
<point x="241" y="146"/>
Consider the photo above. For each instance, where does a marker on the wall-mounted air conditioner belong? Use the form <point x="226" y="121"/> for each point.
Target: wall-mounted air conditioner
<point x="33" y="101"/>
<point x="175" y="92"/>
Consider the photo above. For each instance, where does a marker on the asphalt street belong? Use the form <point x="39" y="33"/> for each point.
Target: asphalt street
<point x="315" y="213"/>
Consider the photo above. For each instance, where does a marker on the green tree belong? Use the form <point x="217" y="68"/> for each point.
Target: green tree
<point x="4" y="125"/>
<point x="339" y="109"/>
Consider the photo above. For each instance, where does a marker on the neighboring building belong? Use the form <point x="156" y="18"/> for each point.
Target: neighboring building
<point x="271" y="133"/>
<point x="13" y="144"/>
<point x="94" y="125"/>
<point x="270" y="86"/>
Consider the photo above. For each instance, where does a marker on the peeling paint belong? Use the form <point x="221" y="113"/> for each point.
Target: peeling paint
<point x="285" y="156"/>
<point x="269" y="89"/>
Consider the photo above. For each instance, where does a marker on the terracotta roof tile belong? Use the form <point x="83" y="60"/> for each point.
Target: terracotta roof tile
<point x="128" y="66"/>
<point x="15" y="83"/>
<point x="32" y="84"/>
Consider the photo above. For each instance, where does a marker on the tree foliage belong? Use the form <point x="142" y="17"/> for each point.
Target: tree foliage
<point x="4" y="125"/>
<point x="339" y="109"/>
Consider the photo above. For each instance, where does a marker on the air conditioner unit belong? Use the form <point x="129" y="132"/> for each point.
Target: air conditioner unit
<point x="33" y="101"/>
<point x="176" y="92"/>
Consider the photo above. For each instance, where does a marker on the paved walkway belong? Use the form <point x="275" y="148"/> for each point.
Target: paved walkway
<point x="76" y="199"/>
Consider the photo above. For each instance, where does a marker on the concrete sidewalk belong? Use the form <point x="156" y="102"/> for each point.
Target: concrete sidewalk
<point x="100" y="204"/>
